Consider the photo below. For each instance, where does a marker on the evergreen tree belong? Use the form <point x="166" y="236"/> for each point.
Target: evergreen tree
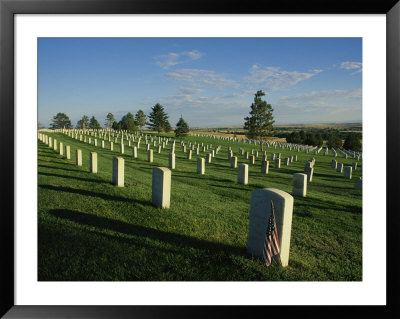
<point x="158" y="119"/>
<point x="319" y="140"/>
<point x="352" y="142"/>
<point x="334" y="141"/>
<point x="114" y="125"/>
<point x="295" y="138"/>
<point x="109" y="120"/>
<point x="302" y="137"/>
<point x="182" y="128"/>
<point x="83" y="123"/>
<point x="94" y="124"/>
<point x="310" y="139"/>
<point x="60" y="120"/>
<point x="140" y="118"/>
<point x="128" y="123"/>
<point x="260" y="122"/>
<point x="167" y="127"/>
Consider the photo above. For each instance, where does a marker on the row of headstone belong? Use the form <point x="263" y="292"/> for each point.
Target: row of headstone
<point x="346" y="170"/>
<point x="161" y="180"/>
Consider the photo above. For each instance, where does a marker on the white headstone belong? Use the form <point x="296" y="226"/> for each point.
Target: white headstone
<point x="171" y="163"/>
<point x="299" y="185"/>
<point x="61" y="148"/>
<point x="260" y="210"/>
<point x="243" y="174"/>
<point x="252" y="159"/>
<point x="277" y="163"/>
<point x="118" y="171"/>
<point x="68" y="151"/>
<point x="201" y="165"/>
<point x="264" y="167"/>
<point x="348" y="172"/>
<point x="234" y="162"/>
<point x="93" y="162"/>
<point x="78" y="157"/>
<point x="134" y="152"/>
<point x="161" y="187"/>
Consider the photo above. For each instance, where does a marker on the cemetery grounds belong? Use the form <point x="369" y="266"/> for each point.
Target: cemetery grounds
<point x="91" y="230"/>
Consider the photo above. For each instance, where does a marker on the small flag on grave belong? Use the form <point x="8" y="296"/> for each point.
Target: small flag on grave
<point x="271" y="242"/>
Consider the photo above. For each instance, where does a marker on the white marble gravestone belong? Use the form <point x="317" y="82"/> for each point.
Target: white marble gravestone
<point x="201" y="165"/>
<point x="348" y="171"/>
<point x="161" y="187"/>
<point x="93" y="162"/>
<point x="299" y="184"/>
<point x="243" y="174"/>
<point x="264" y="167"/>
<point x="118" y="171"/>
<point x="78" y="157"/>
<point x="171" y="160"/>
<point x="234" y="162"/>
<point x="260" y="211"/>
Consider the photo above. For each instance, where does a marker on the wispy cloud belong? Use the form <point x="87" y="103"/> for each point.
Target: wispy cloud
<point x="201" y="78"/>
<point x="190" y="91"/>
<point x="274" y="78"/>
<point x="351" y="66"/>
<point x="324" y="98"/>
<point x="165" y="61"/>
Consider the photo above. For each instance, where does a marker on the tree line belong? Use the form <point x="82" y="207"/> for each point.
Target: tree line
<point x="349" y="141"/>
<point x="259" y="125"/>
<point x="157" y="120"/>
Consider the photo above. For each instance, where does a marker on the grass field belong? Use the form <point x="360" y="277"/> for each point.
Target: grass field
<point x="91" y="230"/>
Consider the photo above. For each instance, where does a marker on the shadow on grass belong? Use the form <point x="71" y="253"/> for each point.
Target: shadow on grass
<point x="48" y="153"/>
<point x="94" y="194"/>
<point x="324" y="205"/>
<point x="316" y="174"/>
<point x="232" y="187"/>
<point x="61" y="168"/>
<point x="103" y="223"/>
<point x="74" y="177"/>
<point x="204" y="177"/>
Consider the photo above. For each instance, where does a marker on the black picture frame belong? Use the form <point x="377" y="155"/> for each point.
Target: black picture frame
<point x="8" y="8"/>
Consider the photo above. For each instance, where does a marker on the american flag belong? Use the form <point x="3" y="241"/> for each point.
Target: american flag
<point x="271" y="242"/>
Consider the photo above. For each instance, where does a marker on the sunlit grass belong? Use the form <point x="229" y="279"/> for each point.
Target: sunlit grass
<point x="90" y="229"/>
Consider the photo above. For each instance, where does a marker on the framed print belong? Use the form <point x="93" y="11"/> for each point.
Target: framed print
<point x="104" y="103"/>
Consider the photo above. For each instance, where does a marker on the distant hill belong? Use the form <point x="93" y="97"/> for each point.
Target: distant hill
<point x="337" y="126"/>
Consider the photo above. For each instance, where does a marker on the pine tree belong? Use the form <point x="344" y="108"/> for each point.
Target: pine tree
<point x="260" y="122"/>
<point x="109" y="120"/>
<point x="334" y="141"/>
<point x="60" y="120"/>
<point x="140" y="118"/>
<point x="94" y="124"/>
<point x="182" y="128"/>
<point x="352" y="142"/>
<point x="158" y="119"/>
<point x="128" y="122"/>
<point x="83" y="123"/>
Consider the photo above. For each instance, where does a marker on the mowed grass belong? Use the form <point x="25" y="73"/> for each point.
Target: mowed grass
<point x="91" y="230"/>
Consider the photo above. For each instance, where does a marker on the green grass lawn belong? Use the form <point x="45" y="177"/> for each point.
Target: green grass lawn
<point x="91" y="230"/>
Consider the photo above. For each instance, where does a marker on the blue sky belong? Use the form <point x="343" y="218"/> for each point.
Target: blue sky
<point x="209" y="81"/>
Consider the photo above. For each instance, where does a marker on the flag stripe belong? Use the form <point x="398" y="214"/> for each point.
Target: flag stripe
<point x="271" y="242"/>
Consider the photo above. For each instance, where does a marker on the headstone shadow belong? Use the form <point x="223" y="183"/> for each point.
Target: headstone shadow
<point x="94" y="194"/>
<point x="179" y="240"/>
